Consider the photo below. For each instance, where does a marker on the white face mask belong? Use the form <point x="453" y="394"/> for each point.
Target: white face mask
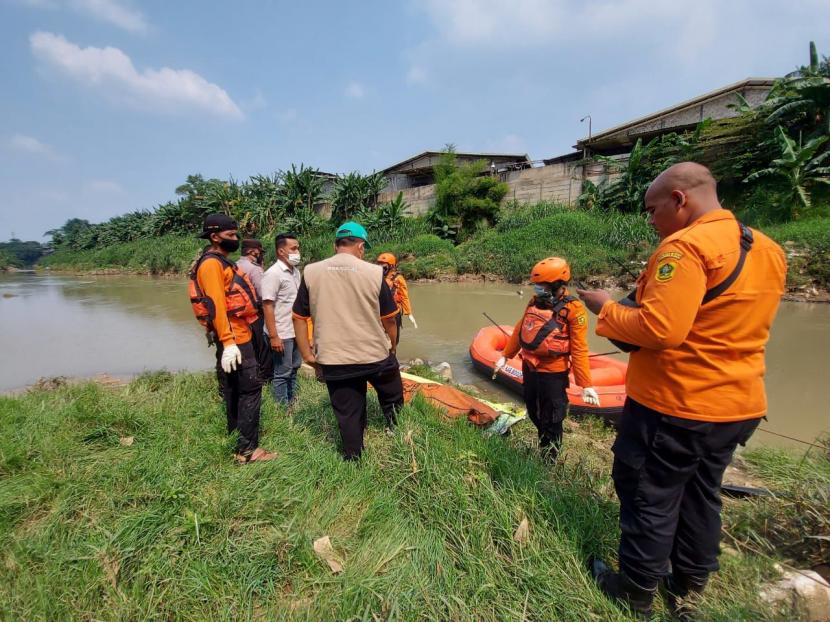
<point x="294" y="259"/>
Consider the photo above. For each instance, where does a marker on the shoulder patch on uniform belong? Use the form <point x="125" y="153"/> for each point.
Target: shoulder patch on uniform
<point x="670" y="255"/>
<point x="581" y="320"/>
<point x="665" y="270"/>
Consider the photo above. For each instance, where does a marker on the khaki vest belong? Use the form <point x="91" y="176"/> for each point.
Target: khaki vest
<point x="343" y="295"/>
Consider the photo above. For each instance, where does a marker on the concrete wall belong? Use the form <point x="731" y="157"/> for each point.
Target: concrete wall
<point x="420" y="199"/>
<point x="559" y="183"/>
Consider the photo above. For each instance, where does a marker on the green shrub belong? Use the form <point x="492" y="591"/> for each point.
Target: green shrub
<point x="166" y="254"/>
<point x="808" y="243"/>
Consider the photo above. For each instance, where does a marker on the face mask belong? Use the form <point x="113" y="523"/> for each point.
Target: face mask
<point x="228" y="245"/>
<point x="294" y="259"/>
<point x="542" y="292"/>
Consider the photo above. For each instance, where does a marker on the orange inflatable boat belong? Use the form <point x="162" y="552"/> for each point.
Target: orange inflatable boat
<point x="607" y="373"/>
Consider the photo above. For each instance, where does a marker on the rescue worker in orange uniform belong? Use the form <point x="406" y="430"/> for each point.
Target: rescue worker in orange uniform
<point x="552" y="335"/>
<point x="699" y="326"/>
<point x="397" y="284"/>
<point x="226" y="303"/>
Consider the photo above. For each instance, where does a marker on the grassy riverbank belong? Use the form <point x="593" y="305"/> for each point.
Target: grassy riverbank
<point x="593" y="243"/>
<point x="123" y="503"/>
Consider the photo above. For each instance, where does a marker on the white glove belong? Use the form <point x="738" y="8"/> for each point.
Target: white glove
<point x="412" y="319"/>
<point x="499" y="366"/>
<point x="590" y="396"/>
<point x="231" y="357"/>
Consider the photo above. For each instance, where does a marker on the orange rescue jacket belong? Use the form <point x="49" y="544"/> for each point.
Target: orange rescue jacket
<point x="400" y="291"/>
<point x="701" y="360"/>
<point x="223" y="298"/>
<point x="574" y="327"/>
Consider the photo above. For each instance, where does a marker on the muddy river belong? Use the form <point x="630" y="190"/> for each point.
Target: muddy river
<point x="82" y="326"/>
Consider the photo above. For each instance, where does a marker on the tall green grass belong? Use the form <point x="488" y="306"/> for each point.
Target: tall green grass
<point x="166" y="527"/>
<point x="592" y="241"/>
<point x="162" y="255"/>
<point x="808" y="243"/>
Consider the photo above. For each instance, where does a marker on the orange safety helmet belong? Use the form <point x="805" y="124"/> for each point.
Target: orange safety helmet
<point x="550" y="270"/>
<point x="387" y="258"/>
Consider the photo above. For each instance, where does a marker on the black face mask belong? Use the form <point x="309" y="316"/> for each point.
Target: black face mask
<point x="228" y="245"/>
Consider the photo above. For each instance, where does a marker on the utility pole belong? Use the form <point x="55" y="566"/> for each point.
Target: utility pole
<point x="585" y="149"/>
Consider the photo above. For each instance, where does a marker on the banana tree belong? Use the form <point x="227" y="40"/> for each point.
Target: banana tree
<point x="803" y="97"/>
<point x="801" y="167"/>
<point x="300" y="188"/>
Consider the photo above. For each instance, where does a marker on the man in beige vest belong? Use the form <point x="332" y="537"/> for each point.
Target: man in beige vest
<point x="355" y="329"/>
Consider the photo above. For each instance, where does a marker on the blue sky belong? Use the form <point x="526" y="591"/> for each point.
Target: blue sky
<point x="108" y="105"/>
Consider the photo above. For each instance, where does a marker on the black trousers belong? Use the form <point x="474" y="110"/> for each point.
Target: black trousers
<point x="262" y="347"/>
<point x="546" y="403"/>
<point x="399" y="322"/>
<point x="348" y="399"/>
<point x="242" y="392"/>
<point x="667" y="473"/>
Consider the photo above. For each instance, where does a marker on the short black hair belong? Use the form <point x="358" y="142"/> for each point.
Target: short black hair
<point x="282" y="239"/>
<point x="348" y="241"/>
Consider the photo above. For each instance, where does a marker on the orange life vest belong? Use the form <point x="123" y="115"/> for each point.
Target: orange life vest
<point x="392" y="282"/>
<point x="240" y="298"/>
<point x="544" y="332"/>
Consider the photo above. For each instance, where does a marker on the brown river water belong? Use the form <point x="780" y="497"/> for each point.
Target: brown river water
<point x="54" y="325"/>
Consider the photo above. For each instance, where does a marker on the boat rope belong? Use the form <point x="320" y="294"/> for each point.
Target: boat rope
<point x="791" y="438"/>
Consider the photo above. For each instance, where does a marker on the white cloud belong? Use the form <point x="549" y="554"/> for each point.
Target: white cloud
<point x="111" y="71"/>
<point x="417" y="74"/>
<point x="466" y="22"/>
<point x="104" y="186"/>
<point x="113" y="12"/>
<point x="549" y="23"/>
<point x="32" y="146"/>
<point x="355" y="90"/>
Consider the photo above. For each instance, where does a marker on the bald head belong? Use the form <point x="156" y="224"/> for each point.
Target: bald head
<point x="686" y="177"/>
<point x="679" y="196"/>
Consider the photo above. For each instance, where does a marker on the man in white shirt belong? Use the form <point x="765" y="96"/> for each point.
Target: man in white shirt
<point x="279" y="290"/>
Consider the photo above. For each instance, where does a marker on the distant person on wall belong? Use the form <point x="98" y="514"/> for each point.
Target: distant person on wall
<point x="400" y="292"/>
<point x="279" y="291"/>
<point x="551" y="338"/>
<point x="697" y="329"/>
<point x="355" y="332"/>
<point x="225" y="303"/>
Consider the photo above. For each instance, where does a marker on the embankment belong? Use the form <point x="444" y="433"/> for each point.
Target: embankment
<point x="595" y="244"/>
<point x="123" y="503"/>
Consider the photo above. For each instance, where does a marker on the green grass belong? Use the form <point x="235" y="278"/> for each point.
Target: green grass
<point x="590" y="242"/>
<point x="808" y="245"/>
<point x="167" y="254"/>
<point x="168" y="528"/>
<point x="796" y="524"/>
<point x="593" y="243"/>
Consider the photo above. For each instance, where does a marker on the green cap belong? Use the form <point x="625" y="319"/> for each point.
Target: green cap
<point x="352" y="229"/>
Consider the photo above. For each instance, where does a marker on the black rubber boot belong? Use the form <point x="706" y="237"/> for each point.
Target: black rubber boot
<point x="683" y="593"/>
<point x="619" y="587"/>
